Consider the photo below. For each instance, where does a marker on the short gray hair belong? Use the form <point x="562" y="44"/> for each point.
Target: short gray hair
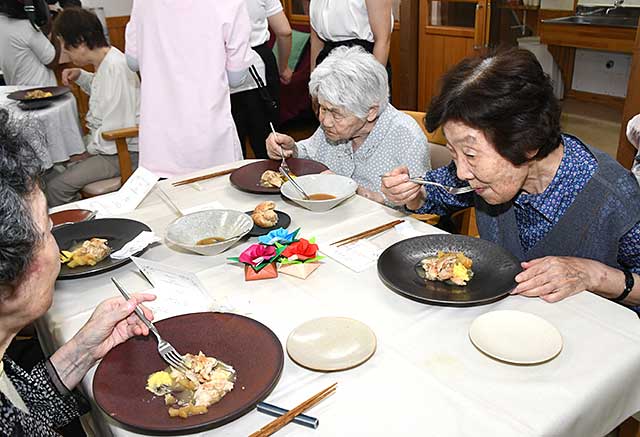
<point x="20" y="170"/>
<point x="352" y="79"/>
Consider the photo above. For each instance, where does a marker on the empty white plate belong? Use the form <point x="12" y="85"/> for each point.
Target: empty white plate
<point x="515" y="337"/>
<point x="331" y="343"/>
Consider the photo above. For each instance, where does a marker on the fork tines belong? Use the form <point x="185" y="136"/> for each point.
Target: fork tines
<point x="173" y="358"/>
<point x="281" y="421"/>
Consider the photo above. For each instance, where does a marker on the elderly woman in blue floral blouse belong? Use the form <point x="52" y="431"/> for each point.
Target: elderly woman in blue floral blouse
<point x="569" y="212"/>
<point x="361" y="135"/>
<point x="34" y="403"/>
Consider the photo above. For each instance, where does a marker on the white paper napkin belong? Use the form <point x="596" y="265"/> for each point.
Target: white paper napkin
<point x="143" y="239"/>
<point x="357" y="256"/>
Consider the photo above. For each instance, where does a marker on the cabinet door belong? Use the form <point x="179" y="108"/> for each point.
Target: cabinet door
<point x="297" y="11"/>
<point x="450" y="30"/>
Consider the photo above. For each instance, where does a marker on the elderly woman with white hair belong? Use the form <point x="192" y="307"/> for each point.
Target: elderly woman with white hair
<point x="361" y="135"/>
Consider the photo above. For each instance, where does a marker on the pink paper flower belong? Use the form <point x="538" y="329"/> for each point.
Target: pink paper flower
<point x="256" y="254"/>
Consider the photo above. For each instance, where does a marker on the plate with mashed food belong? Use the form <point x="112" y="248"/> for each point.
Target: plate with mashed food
<point x="262" y="177"/>
<point x="233" y="367"/>
<point x="38" y="94"/>
<point x="451" y="270"/>
<point x="85" y="246"/>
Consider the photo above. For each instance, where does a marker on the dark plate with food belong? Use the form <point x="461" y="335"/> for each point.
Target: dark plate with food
<point x="262" y="177"/>
<point x="115" y="232"/>
<point x="39" y="93"/>
<point x="251" y="348"/>
<point x="489" y="275"/>
<point x="283" y="222"/>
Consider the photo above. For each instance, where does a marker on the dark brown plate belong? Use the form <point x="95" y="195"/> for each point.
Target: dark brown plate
<point x="246" y="344"/>
<point x="494" y="270"/>
<point x="116" y="231"/>
<point x="71" y="216"/>
<point x="247" y="178"/>
<point x="57" y="91"/>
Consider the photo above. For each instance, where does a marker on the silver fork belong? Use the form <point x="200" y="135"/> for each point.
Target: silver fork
<point x="283" y="164"/>
<point x="166" y="351"/>
<point x="450" y="190"/>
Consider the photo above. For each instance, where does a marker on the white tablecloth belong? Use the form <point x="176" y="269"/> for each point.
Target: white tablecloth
<point x="426" y="378"/>
<point x="58" y="124"/>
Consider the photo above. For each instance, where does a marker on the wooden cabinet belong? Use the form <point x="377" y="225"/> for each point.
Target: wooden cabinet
<point x="449" y="31"/>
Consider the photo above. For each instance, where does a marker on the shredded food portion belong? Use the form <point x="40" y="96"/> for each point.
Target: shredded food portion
<point x="191" y="393"/>
<point x="452" y="267"/>
<point x="272" y="179"/>
<point x="90" y="253"/>
<point x="37" y="94"/>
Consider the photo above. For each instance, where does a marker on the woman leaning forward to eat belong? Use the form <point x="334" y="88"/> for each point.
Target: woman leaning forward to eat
<point x="567" y="211"/>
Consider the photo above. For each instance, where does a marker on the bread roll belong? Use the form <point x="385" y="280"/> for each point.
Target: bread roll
<point x="264" y="214"/>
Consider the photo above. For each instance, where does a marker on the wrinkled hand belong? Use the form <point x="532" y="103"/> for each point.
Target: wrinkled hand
<point x="395" y="186"/>
<point x="70" y="75"/>
<point x="554" y="278"/>
<point x="113" y="322"/>
<point x="274" y="144"/>
<point x="286" y="75"/>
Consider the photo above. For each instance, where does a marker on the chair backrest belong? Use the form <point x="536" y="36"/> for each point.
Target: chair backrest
<point x="440" y="155"/>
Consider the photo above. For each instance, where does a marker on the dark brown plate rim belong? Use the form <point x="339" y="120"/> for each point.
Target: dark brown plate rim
<point x="274" y="164"/>
<point x="206" y="425"/>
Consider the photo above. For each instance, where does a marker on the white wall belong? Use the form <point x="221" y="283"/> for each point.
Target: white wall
<point x="635" y="3"/>
<point x="113" y="8"/>
<point x="562" y="5"/>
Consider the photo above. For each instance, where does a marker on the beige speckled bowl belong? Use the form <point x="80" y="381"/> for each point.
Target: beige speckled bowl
<point x="187" y="230"/>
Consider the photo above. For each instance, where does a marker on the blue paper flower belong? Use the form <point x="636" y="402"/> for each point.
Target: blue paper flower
<point x="280" y="235"/>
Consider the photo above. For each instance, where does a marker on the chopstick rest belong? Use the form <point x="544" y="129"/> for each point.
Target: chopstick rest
<point x="301" y="419"/>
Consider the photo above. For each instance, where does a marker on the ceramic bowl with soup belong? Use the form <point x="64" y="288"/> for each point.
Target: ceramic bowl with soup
<point x="209" y="232"/>
<point x="326" y="191"/>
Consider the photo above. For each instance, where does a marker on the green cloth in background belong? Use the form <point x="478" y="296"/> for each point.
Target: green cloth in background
<point x="298" y="42"/>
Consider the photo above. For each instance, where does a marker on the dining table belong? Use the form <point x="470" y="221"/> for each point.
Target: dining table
<point x="55" y="130"/>
<point x="426" y="378"/>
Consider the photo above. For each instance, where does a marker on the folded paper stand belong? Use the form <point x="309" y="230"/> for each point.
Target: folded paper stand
<point x="267" y="272"/>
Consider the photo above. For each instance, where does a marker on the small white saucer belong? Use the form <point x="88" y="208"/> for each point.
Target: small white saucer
<point x="331" y="343"/>
<point x="515" y="337"/>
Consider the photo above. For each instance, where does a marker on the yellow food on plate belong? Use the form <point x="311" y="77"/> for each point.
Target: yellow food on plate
<point x="90" y="253"/>
<point x="450" y="267"/>
<point x="37" y="94"/>
<point x="191" y="393"/>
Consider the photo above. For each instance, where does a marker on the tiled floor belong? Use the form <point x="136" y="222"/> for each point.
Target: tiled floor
<point x="594" y="124"/>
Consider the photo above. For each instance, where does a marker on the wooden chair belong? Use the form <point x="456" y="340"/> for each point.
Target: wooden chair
<point x="465" y="220"/>
<point x="124" y="160"/>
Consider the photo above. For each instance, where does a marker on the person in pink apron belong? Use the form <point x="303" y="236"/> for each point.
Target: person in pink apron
<point x="188" y="52"/>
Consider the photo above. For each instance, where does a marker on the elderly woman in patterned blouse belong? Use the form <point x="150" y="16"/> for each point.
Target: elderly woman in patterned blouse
<point x="33" y="403"/>
<point x="361" y="135"/>
<point x="569" y="212"/>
